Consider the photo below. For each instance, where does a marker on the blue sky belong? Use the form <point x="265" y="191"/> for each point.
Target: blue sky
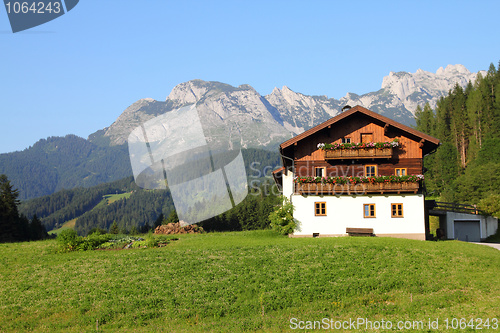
<point x="77" y="73"/>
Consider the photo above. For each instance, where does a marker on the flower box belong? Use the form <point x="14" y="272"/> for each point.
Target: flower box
<point x="355" y="189"/>
<point x="366" y="152"/>
<point x="383" y="152"/>
<point x="358" y="153"/>
<point x="314" y="188"/>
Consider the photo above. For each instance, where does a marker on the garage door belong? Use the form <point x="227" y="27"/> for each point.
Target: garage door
<point x="467" y="231"/>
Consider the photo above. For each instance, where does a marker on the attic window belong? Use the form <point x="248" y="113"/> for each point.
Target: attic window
<point x="346" y="140"/>
<point x="366" y="137"/>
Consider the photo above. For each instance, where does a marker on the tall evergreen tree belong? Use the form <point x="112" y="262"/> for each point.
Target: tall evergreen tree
<point x="159" y="221"/>
<point x="37" y="230"/>
<point x="425" y="119"/>
<point x="10" y="223"/>
<point x="114" y="228"/>
<point x="172" y="218"/>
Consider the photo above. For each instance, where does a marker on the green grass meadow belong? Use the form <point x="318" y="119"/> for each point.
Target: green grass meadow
<point x="244" y="282"/>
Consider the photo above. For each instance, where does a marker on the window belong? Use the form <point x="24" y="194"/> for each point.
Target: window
<point x="400" y="172"/>
<point x="369" y="210"/>
<point x="370" y="170"/>
<point x="319" y="171"/>
<point x="397" y="210"/>
<point x="320" y="208"/>
<point x="346" y="140"/>
<point x="366" y="137"/>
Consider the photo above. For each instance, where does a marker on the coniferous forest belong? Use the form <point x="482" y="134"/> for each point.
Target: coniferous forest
<point x="466" y="166"/>
<point x="14" y="226"/>
<point x="140" y="209"/>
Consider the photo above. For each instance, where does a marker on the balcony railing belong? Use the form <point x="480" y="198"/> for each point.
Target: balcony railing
<point x="355" y="189"/>
<point x="361" y="153"/>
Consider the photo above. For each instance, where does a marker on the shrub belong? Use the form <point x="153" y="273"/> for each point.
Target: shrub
<point x="69" y="240"/>
<point x="282" y="219"/>
<point x="491" y="205"/>
<point x="93" y="241"/>
<point x="100" y="231"/>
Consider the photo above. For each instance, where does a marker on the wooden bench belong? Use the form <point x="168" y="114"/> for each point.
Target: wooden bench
<point x="359" y="231"/>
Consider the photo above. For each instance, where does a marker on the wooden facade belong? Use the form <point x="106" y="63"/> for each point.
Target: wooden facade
<point x="387" y="207"/>
<point x="347" y="168"/>
<point x="355" y="126"/>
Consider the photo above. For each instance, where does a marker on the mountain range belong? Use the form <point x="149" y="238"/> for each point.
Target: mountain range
<point x="263" y="122"/>
<point x="266" y="121"/>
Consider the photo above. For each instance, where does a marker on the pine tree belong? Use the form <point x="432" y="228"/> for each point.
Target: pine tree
<point x="10" y="223"/>
<point x="134" y="231"/>
<point x="159" y="221"/>
<point x="425" y="119"/>
<point x="37" y="230"/>
<point x="145" y="228"/>
<point x="459" y="124"/>
<point x="172" y="218"/>
<point x="114" y="228"/>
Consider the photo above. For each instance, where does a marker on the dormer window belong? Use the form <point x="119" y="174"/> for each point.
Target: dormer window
<point x="366" y="137"/>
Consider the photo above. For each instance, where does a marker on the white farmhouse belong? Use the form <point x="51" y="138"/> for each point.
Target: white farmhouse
<point x="357" y="173"/>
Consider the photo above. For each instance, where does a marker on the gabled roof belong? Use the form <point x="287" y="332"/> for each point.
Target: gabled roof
<point x="350" y="112"/>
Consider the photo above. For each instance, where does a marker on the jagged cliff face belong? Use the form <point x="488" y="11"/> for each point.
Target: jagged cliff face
<point x="300" y="112"/>
<point x="398" y="97"/>
<point x="267" y="121"/>
<point x="220" y="107"/>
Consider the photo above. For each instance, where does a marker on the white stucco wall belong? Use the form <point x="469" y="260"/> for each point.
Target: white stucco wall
<point x="347" y="212"/>
<point x="490" y="226"/>
<point x="288" y="184"/>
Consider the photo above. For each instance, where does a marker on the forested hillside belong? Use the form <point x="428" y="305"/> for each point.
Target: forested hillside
<point x="65" y="205"/>
<point x="143" y="207"/>
<point x="466" y="167"/>
<point x="57" y="163"/>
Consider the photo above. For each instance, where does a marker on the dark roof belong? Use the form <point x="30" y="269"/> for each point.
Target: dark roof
<point x="278" y="178"/>
<point x="278" y="170"/>
<point x="367" y="112"/>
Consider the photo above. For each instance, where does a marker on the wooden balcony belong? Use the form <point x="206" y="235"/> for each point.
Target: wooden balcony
<point x="363" y="153"/>
<point x="355" y="189"/>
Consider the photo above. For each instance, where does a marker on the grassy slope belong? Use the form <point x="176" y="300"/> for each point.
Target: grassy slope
<point x="67" y="225"/>
<point x="247" y="281"/>
<point x="115" y="197"/>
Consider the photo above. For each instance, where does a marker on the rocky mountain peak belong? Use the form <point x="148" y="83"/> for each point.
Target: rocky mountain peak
<point x="188" y="92"/>
<point x="265" y="121"/>
<point x="412" y="89"/>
